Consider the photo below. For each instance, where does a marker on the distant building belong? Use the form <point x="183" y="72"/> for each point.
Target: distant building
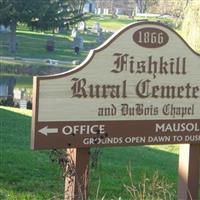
<point x="117" y="7"/>
<point x="89" y="7"/>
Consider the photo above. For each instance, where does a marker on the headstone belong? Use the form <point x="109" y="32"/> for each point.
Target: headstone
<point x="76" y="62"/>
<point x="17" y="94"/>
<point x="96" y="27"/>
<point x="74" y="32"/>
<point x="81" y="26"/>
<point x="97" y="11"/>
<point x="52" y="62"/>
<point x="78" y="44"/>
<point x="23" y="104"/>
<point x="105" y="11"/>
<point x="100" y="37"/>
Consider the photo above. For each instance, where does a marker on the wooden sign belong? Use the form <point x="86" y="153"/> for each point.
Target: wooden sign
<point x="140" y="87"/>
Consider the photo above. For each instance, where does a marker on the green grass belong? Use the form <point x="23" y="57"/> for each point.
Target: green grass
<point x="115" y="23"/>
<point x="24" y="82"/>
<point x="30" y="175"/>
<point x="31" y="44"/>
<point x="37" y="62"/>
<point x="112" y="170"/>
<point x="24" y="174"/>
<point x="110" y="23"/>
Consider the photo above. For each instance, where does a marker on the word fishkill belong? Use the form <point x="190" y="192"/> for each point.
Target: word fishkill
<point x="144" y="88"/>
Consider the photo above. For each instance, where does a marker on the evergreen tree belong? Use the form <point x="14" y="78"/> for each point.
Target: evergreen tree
<point x="11" y="12"/>
<point x="40" y="14"/>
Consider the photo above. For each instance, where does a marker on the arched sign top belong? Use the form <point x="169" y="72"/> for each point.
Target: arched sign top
<point x="141" y="86"/>
<point x="156" y="36"/>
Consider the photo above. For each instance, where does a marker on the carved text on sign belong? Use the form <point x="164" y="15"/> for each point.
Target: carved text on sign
<point x="150" y="37"/>
<point x="145" y="87"/>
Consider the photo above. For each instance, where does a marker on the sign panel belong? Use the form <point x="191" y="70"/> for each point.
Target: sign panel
<point x="140" y="87"/>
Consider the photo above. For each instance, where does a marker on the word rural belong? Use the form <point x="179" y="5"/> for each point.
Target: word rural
<point x="175" y="66"/>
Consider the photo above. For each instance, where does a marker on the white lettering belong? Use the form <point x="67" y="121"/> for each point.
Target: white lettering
<point x="67" y="130"/>
<point x="104" y="141"/>
<point x="83" y="129"/>
<point x="177" y="127"/>
<point x="160" y="127"/>
<point x="192" y="138"/>
<point x="158" y="139"/>
<point x="135" y="140"/>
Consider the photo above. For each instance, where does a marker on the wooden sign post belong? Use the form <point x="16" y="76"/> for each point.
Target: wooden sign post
<point x="141" y="87"/>
<point x="188" y="171"/>
<point x="76" y="186"/>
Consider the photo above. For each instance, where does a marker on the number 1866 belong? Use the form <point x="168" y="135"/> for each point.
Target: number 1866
<point x="150" y="37"/>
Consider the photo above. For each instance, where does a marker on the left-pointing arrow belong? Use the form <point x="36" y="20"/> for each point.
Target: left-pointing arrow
<point x="46" y="130"/>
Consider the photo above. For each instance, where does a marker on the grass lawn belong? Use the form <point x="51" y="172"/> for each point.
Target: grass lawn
<point x="24" y="174"/>
<point x="24" y="82"/>
<point x="112" y="172"/>
<point x="107" y="22"/>
<point x="30" y="175"/>
<point x="32" y="44"/>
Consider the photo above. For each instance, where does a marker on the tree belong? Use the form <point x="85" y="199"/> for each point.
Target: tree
<point x="9" y="16"/>
<point x="49" y="16"/>
<point x="191" y="24"/>
<point x="12" y="11"/>
<point x="173" y="7"/>
<point x="60" y="13"/>
<point x="143" y="5"/>
<point x="40" y="14"/>
<point x="76" y="8"/>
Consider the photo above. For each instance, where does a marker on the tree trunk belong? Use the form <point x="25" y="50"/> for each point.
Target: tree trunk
<point x="13" y="43"/>
<point x="191" y="25"/>
<point x="140" y="5"/>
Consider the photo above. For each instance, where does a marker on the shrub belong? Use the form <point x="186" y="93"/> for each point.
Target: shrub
<point x="154" y="187"/>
